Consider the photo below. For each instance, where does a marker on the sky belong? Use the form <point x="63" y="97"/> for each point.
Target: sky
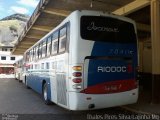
<point x="9" y="7"/>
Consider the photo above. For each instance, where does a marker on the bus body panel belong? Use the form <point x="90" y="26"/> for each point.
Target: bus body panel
<point x="81" y="101"/>
<point x="56" y="78"/>
<point x="61" y="76"/>
<point x="35" y="81"/>
<point x="110" y="64"/>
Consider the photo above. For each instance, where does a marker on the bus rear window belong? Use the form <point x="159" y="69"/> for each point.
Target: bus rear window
<point x="107" y="29"/>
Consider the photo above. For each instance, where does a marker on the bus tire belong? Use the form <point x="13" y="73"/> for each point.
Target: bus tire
<point x="45" y="94"/>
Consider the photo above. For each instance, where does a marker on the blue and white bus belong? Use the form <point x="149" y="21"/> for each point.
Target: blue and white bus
<point x="89" y="61"/>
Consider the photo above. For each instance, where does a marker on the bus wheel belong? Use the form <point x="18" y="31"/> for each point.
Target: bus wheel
<point x="45" y="94"/>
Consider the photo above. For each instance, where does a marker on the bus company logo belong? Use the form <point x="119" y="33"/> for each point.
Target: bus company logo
<point x="114" y="69"/>
<point x="93" y="27"/>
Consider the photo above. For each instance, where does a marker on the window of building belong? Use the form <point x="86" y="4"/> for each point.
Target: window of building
<point x="3" y="58"/>
<point x="12" y="58"/>
<point x="4" y="49"/>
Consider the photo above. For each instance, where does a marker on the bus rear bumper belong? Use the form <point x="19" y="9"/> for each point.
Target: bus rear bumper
<point x="81" y="101"/>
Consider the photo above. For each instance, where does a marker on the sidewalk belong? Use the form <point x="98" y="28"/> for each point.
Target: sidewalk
<point x="144" y="105"/>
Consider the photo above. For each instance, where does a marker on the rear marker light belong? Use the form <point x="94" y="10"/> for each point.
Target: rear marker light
<point x="77" y="68"/>
<point x="77" y="80"/>
<point x="77" y="74"/>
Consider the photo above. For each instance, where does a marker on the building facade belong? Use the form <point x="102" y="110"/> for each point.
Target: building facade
<point x="7" y="60"/>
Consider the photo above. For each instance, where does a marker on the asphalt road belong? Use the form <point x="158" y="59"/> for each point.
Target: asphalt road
<point x="19" y="103"/>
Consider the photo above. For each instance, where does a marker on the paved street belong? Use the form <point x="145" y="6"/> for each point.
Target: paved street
<point x="16" y="99"/>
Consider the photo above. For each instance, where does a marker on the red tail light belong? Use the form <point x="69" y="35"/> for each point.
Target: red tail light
<point x="77" y="80"/>
<point x="77" y="74"/>
<point x="129" y="68"/>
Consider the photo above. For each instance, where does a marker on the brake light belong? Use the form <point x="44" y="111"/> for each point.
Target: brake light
<point x="77" y="74"/>
<point x="77" y="68"/>
<point x="77" y="80"/>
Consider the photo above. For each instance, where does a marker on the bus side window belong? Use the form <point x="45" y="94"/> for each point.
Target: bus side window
<point x="47" y="65"/>
<point x="49" y="46"/>
<point x="42" y="65"/>
<point x="62" y="39"/>
<point x="33" y="54"/>
<point x="55" y="43"/>
<point x="40" y="50"/>
<point x="27" y="56"/>
<point x="35" y="66"/>
<point x="53" y="65"/>
<point x="43" y="48"/>
<point x="36" y="52"/>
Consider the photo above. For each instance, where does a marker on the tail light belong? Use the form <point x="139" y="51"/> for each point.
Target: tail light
<point x="77" y="74"/>
<point x="77" y="80"/>
<point x="77" y="77"/>
<point x="77" y="68"/>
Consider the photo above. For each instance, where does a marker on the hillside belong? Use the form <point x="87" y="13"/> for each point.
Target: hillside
<point x="18" y="16"/>
<point x="10" y="28"/>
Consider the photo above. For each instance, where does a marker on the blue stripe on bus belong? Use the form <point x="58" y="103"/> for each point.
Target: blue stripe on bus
<point x="106" y="49"/>
<point x="35" y="82"/>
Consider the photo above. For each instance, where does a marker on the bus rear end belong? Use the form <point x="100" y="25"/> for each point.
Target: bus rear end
<point x="109" y="65"/>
